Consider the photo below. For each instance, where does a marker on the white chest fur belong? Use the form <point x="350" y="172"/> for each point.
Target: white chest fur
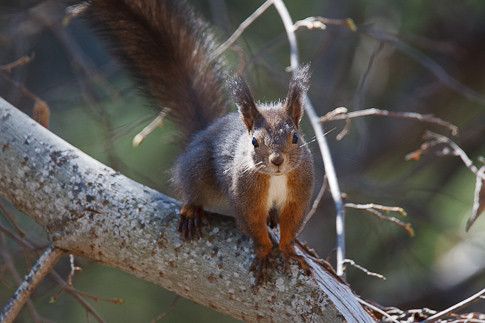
<point x="277" y="192"/>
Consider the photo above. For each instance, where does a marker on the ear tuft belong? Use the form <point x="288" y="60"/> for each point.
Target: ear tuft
<point x="244" y="100"/>
<point x="298" y="87"/>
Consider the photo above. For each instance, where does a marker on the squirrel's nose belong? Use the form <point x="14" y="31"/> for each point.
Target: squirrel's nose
<point x="276" y="159"/>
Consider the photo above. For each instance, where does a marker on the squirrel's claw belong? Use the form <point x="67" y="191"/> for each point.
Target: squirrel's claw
<point x="190" y="222"/>
<point x="300" y="259"/>
<point x="261" y="266"/>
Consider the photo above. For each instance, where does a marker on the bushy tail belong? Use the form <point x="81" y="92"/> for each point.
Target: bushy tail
<point x="167" y="47"/>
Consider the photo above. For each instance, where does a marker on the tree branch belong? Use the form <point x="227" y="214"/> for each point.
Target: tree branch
<point x="320" y="136"/>
<point x="92" y="211"/>
<point x="43" y="266"/>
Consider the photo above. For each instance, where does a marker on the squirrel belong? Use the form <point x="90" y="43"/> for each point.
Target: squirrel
<point x="256" y="159"/>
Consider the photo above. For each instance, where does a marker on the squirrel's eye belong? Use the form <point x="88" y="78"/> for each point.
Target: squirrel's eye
<point x="255" y="142"/>
<point x="295" y="138"/>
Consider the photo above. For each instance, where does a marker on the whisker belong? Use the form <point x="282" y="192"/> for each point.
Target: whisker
<point x="309" y="142"/>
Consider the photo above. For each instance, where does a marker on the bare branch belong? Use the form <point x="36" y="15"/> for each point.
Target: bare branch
<point x="73" y="291"/>
<point x="378" y="310"/>
<point x="440" y="139"/>
<point x="342" y="114"/>
<point x="478" y="199"/>
<point x="315" y="203"/>
<point x="242" y="27"/>
<point x="171" y="308"/>
<point x="15" y="237"/>
<point x="19" y="62"/>
<point x="369" y="273"/>
<point x="43" y="266"/>
<point x="41" y="109"/>
<point x="74" y="268"/>
<point x="373" y="209"/>
<point x="433" y="140"/>
<point x="456" y="307"/>
<point x="128" y="226"/>
<point x="427" y="62"/>
<point x="157" y="122"/>
<point x="11" y="219"/>
<point x="365" y="78"/>
<point x="77" y="296"/>
<point x="322" y="142"/>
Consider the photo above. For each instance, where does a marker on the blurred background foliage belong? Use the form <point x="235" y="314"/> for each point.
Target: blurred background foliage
<point x="95" y="107"/>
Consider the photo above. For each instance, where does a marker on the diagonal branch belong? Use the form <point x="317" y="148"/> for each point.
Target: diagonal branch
<point x="43" y="266"/>
<point x="91" y="211"/>
<point x="374" y="209"/>
<point x="433" y="140"/>
<point x="427" y="62"/>
<point x="467" y="302"/>
<point x="242" y="27"/>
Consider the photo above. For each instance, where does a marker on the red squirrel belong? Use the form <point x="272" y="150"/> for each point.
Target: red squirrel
<point x="256" y="159"/>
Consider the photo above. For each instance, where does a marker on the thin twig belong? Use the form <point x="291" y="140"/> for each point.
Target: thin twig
<point x="242" y="27"/>
<point x="171" y="308"/>
<point x="41" y="109"/>
<point x="359" y="96"/>
<point x="76" y="295"/>
<point x="11" y="219"/>
<point x="478" y="199"/>
<point x="22" y="88"/>
<point x="68" y="287"/>
<point x="369" y="273"/>
<point x="364" y="79"/>
<point x="72" y="291"/>
<point x="396" y="209"/>
<point x="43" y="266"/>
<point x="427" y="62"/>
<point x="315" y="203"/>
<point x="319" y="134"/>
<point x="157" y="122"/>
<point x="373" y="209"/>
<point x="456" y="150"/>
<point x="19" y="62"/>
<point x="342" y="114"/>
<point x="375" y="308"/>
<point x="24" y="243"/>
<point x="74" y="268"/>
<point x="467" y="302"/>
<point x="433" y="140"/>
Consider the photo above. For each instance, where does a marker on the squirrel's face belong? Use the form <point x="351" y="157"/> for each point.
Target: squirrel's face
<point x="274" y="137"/>
<point x="275" y="142"/>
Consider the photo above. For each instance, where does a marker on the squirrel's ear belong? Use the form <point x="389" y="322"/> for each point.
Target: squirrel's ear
<point x="298" y="87"/>
<point x="244" y="100"/>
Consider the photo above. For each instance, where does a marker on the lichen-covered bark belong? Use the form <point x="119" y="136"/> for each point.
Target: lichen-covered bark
<point x="92" y="211"/>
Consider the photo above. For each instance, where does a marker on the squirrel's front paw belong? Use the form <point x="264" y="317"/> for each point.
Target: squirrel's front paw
<point x="190" y="222"/>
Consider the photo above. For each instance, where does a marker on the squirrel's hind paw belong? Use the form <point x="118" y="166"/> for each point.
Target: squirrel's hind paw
<point x="190" y="222"/>
<point x="260" y="267"/>
<point x="300" y="259"/>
